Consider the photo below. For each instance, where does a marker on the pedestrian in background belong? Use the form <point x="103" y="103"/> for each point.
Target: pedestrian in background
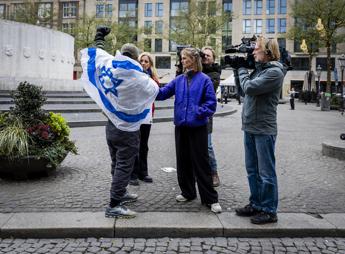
<point x="195" y="102"/>
<point x="140" y="166"/>
<point x="213" y="70"/>
<point x="261" y="88"/>
<point x="292" y="98"/>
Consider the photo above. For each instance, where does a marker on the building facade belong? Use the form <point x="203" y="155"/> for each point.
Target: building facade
<point x="267" y="17"/>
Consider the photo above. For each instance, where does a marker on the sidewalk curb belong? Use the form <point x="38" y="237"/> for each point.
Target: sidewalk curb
<point x="165" y="224"/>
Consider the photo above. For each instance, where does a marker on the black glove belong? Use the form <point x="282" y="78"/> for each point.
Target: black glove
<point x="101" y="32"/>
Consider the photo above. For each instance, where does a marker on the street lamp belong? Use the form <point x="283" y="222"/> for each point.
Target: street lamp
<point x="342" y="67"/>
<point x="318" y="72"/>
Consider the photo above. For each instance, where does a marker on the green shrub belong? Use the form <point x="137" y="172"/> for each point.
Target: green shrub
<point x="27" y="130"/>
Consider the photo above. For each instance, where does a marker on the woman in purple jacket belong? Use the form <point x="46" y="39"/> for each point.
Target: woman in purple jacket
<point x="195" y="102"/>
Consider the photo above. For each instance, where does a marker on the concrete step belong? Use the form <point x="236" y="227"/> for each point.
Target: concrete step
<point x="87" y="119"/>
<point x="56" y="100"/>
<point x="52" y="94"/>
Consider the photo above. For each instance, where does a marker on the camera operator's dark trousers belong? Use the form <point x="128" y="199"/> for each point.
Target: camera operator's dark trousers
<point x="193" y="164"/>
<point x="123" y="148"/>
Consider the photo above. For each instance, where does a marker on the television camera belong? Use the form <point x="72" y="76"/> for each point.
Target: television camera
<point x="247" y="47"/>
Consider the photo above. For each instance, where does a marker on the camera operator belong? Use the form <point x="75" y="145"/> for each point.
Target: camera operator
<point x="213" y="70"/>
<point x="261" y="89"/>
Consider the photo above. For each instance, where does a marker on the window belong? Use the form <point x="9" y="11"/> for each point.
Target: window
<point x="300" y="63"/>
<point x="108" y="10"/>
<point x="178" y="6"/>
<point x="44" y="10"/>
<point x="18" y="9"/>
<point x="159" y="9"/>
<point x="2" y="11"/>
<point x="281" y="25"/>
<point x="163" y="62"/>
<point x="247" y="26"/>
<point x="127" y="9"/>
<point x="148" y="10"/>
<point x="159" y="27"/>
<point x="270" y="26"/>
<point x="282" y="42"/>
<point x="270" y="7"/>
<point x="212" y="8"/>
<point x="282" y="6"/>
<point x="158" y="45"/>
<point x="100" y="10"/>
<point x="68" y="27"/>
<point x="147" y="45"/>
<point x="226" y="41"/>
<point x="69" y="10"/>
<point x="227" y="5"/>
<point x="322" y="61"/>
<point x="247" y="6"/>
<point x="258" y="26"/>
<point x="258" y="7"/>
<point x="147" y="27"/>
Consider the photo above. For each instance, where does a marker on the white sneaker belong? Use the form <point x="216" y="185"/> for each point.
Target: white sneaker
<point x="180" y="198"/>
<point x="216" y="208"/>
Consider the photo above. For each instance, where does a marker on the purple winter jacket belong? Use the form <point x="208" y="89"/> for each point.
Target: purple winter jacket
<point x="195" y="101"/>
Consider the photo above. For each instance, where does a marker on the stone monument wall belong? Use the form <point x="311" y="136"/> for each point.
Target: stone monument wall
<point x="36" y="54"/>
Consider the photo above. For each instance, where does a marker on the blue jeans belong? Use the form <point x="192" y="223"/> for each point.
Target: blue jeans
<point x="261" y="170"/>
<point x="211" y="156"/>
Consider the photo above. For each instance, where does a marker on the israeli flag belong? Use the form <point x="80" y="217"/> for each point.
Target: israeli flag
<point x="119" y="86"/>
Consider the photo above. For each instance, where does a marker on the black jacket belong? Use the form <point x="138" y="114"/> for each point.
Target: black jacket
<point x="213" y="71"/>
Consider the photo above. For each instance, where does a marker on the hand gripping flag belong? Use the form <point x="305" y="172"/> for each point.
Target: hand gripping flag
<point x="119" y="86"/>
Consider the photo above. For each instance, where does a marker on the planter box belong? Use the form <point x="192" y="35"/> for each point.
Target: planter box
<point x="22" y="168"/>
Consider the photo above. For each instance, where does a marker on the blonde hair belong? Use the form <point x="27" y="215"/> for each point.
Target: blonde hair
<point x="270" y="47"/>
<point x="195" y="56"/>
<point x="152" y="66"/>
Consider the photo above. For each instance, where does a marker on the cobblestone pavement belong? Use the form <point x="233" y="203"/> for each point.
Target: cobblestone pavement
<point x="308" y="181"/>
<point x="176" y="245"/>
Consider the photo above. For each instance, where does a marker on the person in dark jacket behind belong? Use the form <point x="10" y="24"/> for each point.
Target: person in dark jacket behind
<point x="195" y="102"/>
<point x="213" y="70"/>
<point x="262" y="89"/>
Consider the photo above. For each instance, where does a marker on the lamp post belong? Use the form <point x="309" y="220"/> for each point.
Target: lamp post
<point x="318" y="72"/>
<point x="342" y="67"/>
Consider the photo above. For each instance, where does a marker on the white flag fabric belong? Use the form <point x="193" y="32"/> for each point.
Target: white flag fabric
<point x="119" y="86"/>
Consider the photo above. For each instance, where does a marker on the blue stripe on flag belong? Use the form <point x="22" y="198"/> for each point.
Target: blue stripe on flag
<point x="127" y="65"/>
<point x="91" y="71"/>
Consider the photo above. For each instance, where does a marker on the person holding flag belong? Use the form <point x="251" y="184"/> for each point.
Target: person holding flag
<point x="125" y="93"/>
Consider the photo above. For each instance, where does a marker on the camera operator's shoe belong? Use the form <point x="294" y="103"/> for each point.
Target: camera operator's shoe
<point x="128" y="198"/>
<point x="264" y="218"/>
<point x="119" y="211"/>
<point x="246" y="211"/>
